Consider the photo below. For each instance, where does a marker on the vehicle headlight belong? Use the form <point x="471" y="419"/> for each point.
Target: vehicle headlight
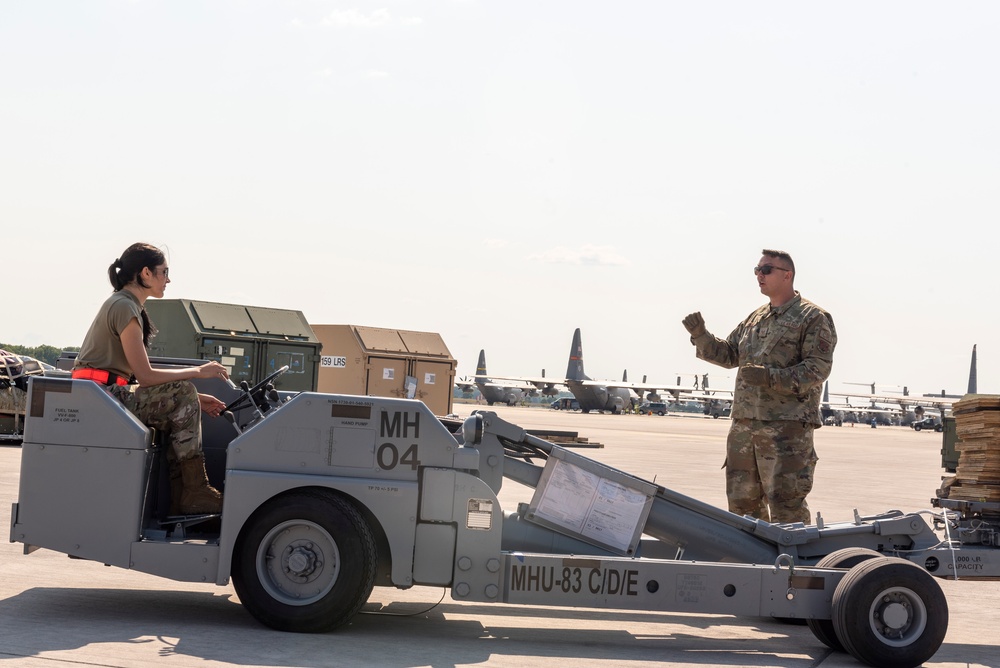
<point x="472" y="430"/>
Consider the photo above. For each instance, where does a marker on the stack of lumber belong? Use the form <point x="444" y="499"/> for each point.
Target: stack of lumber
<point x="977" y="425"/>
<point x="567" y="439"/>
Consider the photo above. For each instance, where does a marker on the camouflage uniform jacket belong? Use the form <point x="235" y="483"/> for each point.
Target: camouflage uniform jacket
<point x="795" y="342"/>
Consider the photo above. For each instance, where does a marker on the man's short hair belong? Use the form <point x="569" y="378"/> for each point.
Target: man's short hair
<point x="781" y="255"/>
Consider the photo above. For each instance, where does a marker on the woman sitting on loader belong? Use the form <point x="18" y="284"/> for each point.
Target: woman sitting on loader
<point x="114" y="353"/>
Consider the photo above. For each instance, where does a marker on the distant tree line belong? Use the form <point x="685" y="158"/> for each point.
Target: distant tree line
<point x="42" y="353"/>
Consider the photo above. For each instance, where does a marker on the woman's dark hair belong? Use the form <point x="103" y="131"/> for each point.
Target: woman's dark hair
<point x="128" y="268"/>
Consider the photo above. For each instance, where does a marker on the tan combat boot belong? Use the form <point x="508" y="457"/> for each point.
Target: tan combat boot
<point x="197" y="496"/>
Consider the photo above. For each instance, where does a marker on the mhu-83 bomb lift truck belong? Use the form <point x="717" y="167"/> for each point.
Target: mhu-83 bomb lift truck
<point x="327" y="496"/>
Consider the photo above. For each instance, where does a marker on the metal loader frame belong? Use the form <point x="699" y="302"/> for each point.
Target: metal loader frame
<point x="327" y="496"/>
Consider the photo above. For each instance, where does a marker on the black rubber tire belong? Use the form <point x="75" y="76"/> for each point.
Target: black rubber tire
<point x="917" y="427"/>
<point x="900" y="591"/>
<point x="330" y="544"/>
<point x="939" y="428"/>
<point x="847" y="557"/>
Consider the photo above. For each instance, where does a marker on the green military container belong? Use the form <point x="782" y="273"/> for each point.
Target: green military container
<point x="949" y="456"/>
<point x="250" y="341"/>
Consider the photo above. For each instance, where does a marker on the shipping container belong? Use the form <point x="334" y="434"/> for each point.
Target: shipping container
<point x="381" y="362"/>
<point x="250" y="341"/>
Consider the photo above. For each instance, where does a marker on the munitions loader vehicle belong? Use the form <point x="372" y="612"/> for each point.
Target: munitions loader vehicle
<point x="327" y="496"/>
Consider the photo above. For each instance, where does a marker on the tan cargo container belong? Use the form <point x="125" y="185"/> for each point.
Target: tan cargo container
<point x="386" y="363"/>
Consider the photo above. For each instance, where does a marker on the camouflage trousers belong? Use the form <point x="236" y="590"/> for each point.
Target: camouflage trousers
<point x="769" y="469"/>
<point x="172" y="408"/>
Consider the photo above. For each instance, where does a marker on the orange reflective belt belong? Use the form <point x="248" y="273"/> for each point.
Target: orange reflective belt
<point x="99" y="376"/>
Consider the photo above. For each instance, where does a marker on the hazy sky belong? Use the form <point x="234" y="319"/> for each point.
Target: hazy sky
<point x="504" y="172"/>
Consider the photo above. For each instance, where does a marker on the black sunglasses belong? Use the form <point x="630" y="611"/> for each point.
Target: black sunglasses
<point x="767" y="269"/>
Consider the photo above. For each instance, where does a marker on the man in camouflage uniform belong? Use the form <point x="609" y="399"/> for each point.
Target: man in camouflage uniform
<point x="784" y="351"/>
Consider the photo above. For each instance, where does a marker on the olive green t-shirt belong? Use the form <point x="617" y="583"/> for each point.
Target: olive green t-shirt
<point x="102" y="347"/>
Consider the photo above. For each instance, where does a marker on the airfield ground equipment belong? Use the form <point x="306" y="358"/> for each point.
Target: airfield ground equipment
<point x="250" y="341"/>
<point x="327" y="496"/>
<point x="386" y="363"/>
<point x="15" y="372"/>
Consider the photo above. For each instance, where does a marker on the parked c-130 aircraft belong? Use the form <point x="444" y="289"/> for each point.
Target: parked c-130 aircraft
<point x="495" y="392"/>
<point x="608" y="395"/>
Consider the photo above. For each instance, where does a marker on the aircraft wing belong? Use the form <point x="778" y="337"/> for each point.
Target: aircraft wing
<point x="528" y="382"/>
<point x="542" y="381"/>
<point x="684" y="393"/>
<point x="517" y="382"/>
<point x="469" y="383"/>
<point x="848" y="408"/>
<point x="901" y="401"/>
<point x="510" y="386"/>
<point x="881" y="411"/>
<point x="707" y="396"/>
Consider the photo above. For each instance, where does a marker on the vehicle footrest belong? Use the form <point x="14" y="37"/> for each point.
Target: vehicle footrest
<point x="178" y="525"/>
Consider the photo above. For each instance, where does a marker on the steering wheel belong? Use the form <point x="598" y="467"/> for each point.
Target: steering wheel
<point x="245" y="397"/>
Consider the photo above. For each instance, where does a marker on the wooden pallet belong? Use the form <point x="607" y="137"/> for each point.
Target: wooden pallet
<point x="567" y="439"/>
<point x="977" y="425"/>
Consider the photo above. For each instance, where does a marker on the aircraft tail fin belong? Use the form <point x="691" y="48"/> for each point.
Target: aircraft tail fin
<point x="972" y="373"/>
<point x="574" y="371"/>
<point x="481" y="367"/>
<point x="625" y="376"/>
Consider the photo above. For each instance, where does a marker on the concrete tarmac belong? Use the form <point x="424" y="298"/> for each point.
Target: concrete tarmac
<point x="55" y="611"/>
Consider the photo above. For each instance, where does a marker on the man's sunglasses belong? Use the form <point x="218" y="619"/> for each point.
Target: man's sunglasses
<point x="767" y="269"/>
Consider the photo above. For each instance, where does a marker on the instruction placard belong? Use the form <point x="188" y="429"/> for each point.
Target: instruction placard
<point x="583" y="498"/>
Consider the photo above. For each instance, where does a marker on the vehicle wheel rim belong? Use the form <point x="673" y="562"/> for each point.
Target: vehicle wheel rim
<point x="298" y="562"/>
<point x="897" y="617"/>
